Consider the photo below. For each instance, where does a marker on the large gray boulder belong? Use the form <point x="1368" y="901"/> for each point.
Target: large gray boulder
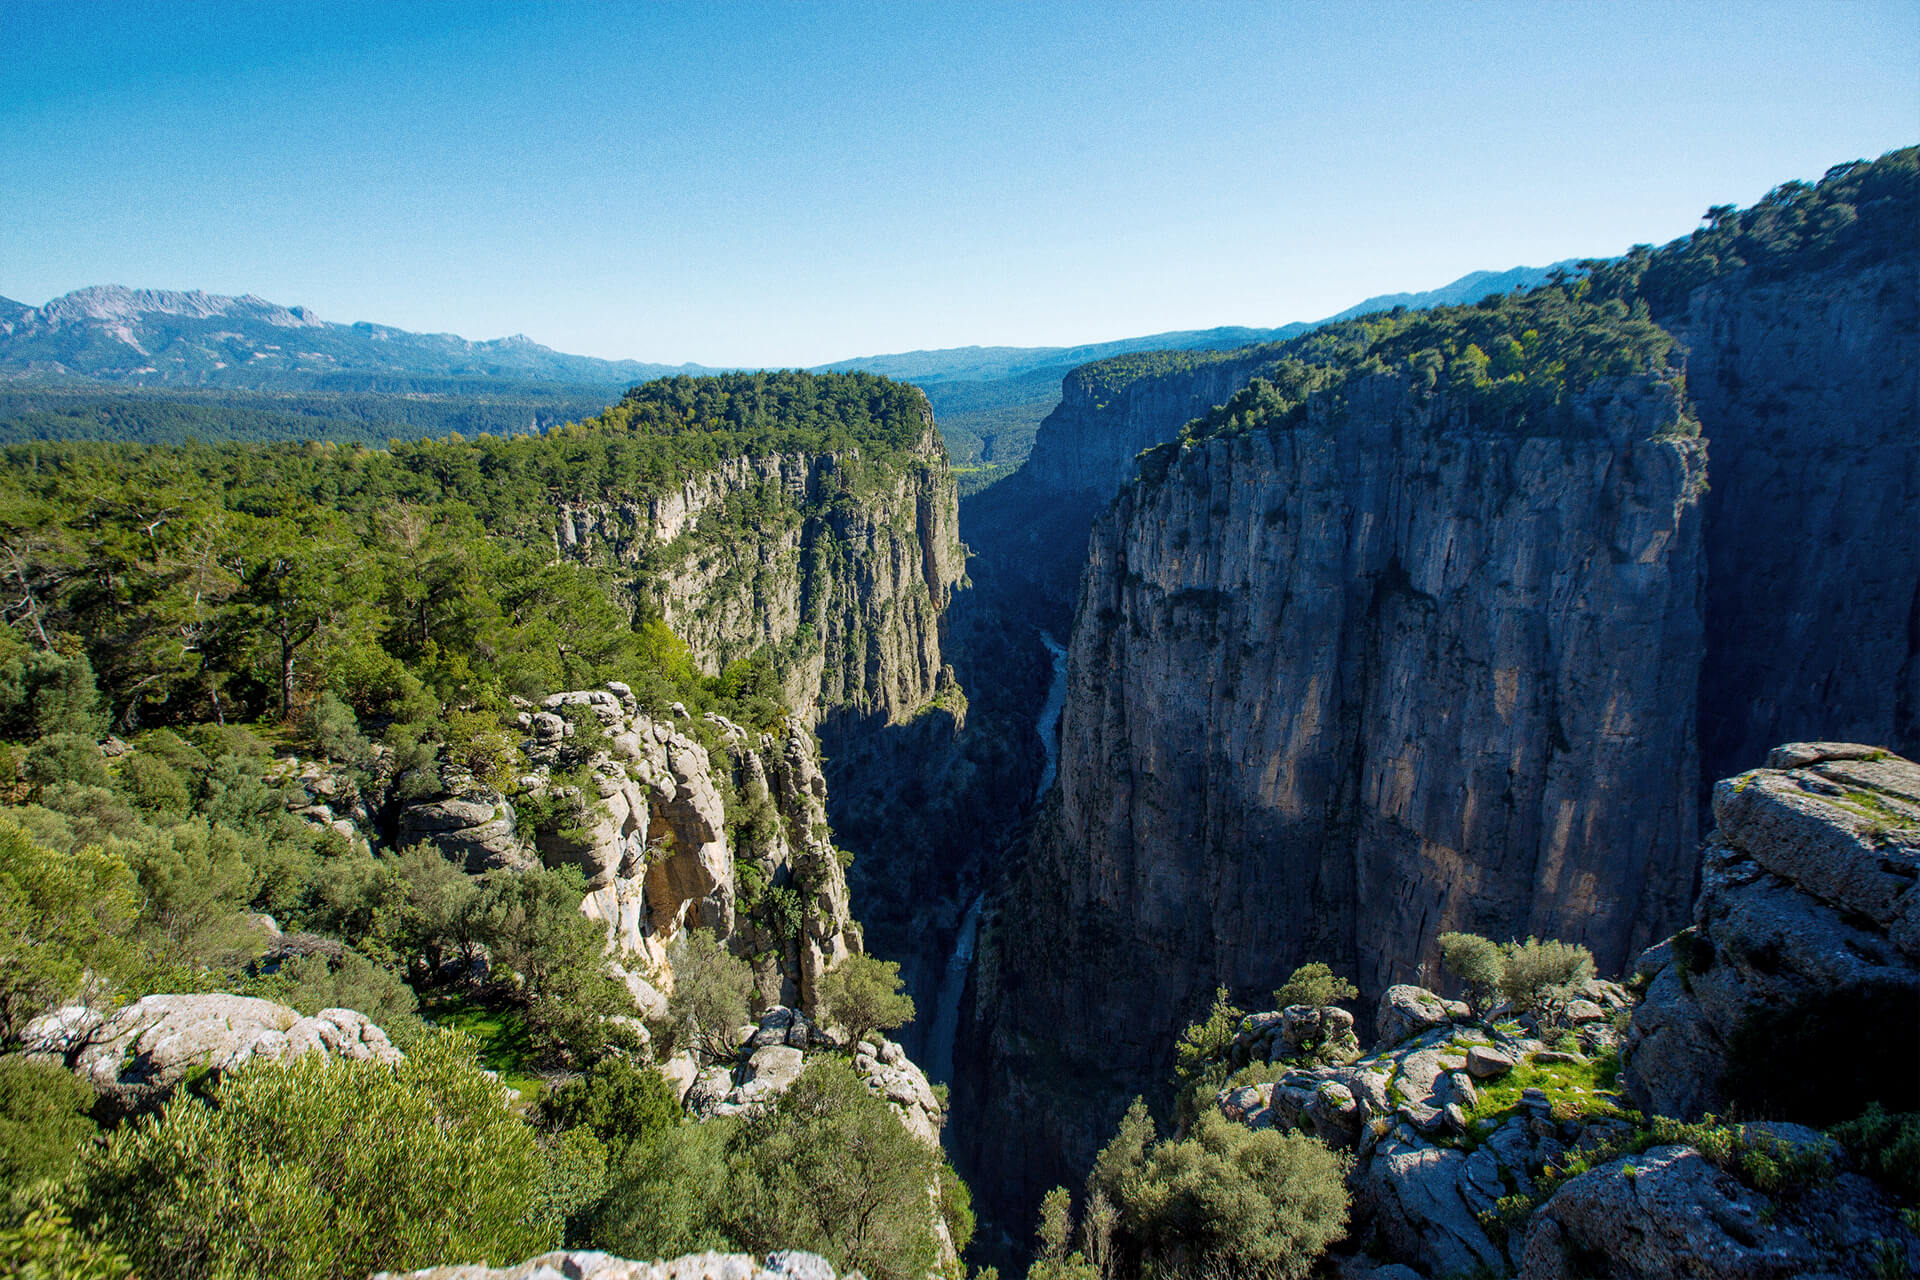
<point x="1806" y="937"/>
<point x="1670" y="1214"/>
<point x="138" y="1056"/>
<point x="1406" y="1011"/>
<point x="584" y="1265"/>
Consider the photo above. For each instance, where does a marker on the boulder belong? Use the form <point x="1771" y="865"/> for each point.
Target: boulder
<point x="577" y="1264"/>
<point x="1806" y="935"/>
<point x="1484" y="1062"/>
<point x="137" y="1056"/>
<point x="1666" y="1214"/>
<point x="774" y="1067"/>
<point x="470" y="825"/>
<point x="1416" y="1193"/>
<point x="1406" y="1011"/>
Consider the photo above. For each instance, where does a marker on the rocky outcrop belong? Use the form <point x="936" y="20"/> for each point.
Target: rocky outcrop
<point x="1337" y="689"/>
<point x="136" y="1057"/>
<point x="842" y="564"/>
<point x="1805" y="940"/>
<point x="579" y="1264"/>
<point x="772" y="1056"/>
<point x="661" y="852"/>
<point x="1431" y="1155"/>
<point x="1670" y="1214"/>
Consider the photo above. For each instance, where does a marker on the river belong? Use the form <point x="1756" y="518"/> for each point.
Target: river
<point x="953" y="980"/>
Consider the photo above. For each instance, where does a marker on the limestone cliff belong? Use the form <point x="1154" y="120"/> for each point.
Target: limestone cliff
<point x="1335" y="689"/>
<point x="843" y="564"/>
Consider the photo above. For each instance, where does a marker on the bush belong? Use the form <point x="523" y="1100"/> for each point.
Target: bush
<point x="710" y="990"/>
<point x="330" y="727"/>
<point x="620" y="1103"/>
<point x="43" y="1124"/>
<point x="324" y="1168"/>
<point x="830" y="1168"/>
<point x="669" y="1195"/>
<point x="1225" y="1200"/>
<point x="63" y="918"/>
<point x="1314" y="985"/>
<point x="1476" y="961"/>
<point x="1887" y="1146"/>
<point x="1537" y="976"/>
<point x="863" y="995"/>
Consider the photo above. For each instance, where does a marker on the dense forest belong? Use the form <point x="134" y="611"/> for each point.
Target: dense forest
<point x="216" y="615"/>
<point x="373" y="415"/>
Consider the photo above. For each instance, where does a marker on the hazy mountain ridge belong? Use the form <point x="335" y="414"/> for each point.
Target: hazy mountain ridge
<point x="145" y="337"/>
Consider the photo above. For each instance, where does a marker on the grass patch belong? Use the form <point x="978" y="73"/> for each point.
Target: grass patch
<point x="506" y="1044"/>
<point x="1576" y="1089"/>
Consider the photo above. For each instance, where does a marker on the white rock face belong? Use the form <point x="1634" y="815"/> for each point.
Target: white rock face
<point x="139" y="1055"/>
<point x="583" y="1265"/>
<point x="659" y="854"/>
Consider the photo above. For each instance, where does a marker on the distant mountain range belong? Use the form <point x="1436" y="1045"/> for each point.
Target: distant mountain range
<point x="108" y="362"/>
<point x="155" y="337"/>
<point x="158" y="337"/>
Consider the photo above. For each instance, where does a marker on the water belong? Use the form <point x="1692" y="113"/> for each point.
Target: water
<point x="953" y="984"/>
<point x="1049" y="723"/>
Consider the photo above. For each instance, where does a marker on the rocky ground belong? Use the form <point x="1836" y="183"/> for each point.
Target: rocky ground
<point x="1501" y="1146"/>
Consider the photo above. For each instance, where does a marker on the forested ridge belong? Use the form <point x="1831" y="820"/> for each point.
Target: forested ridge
<point x="242" y="624"/>
<point x="222" y="581"/>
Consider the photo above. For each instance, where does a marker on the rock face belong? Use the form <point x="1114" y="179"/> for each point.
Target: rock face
<point x="1669" y="1214"/>
<point x="848" y="568"/>
<point x="585" y="1265"/>
<point x="661" y="853"/>
<point x="1806" y="938"/>
<point x="139" y="1055"/>
<point x="1809" y="390"/>
<point x="1336" y="690"/>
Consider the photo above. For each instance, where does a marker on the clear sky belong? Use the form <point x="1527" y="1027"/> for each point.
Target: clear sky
<point x="792" y="183"/>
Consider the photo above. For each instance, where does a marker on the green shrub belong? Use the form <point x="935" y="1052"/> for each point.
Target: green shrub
<point x="620" y="1103"/>
<point x="43" y="1123"/>
<point x="863" y="995"/>
<point x="1476" y="961"/>
<point x="830" y="1168"/>
<point x="45" y="1246"/>
<point x="669" y="1194"/>
<point x="1315" y="985"/>
<point x="1537" y="976"/>
<point x="1224" y="1200"/>
<point x="711" y="987"/>
<point x="324" y="1168"/>
<point x="63" y="921"/>
<point x="1887" y="1145"/>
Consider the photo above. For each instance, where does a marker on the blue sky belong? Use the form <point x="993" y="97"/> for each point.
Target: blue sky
<point x="794" y="183"/>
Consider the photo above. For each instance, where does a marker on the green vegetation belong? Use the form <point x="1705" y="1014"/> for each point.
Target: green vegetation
<point x="827" y="1168"/>
<point x="1200" y="1065"/>
<point x="1314" y="985"/>
<point x="1887" y="1145"/>
<point x="1858" y="210"/>
<point x="372" y="417"/>
<point x="227" y="582"/>
<point x="1224" y="1200"/>
<point x="1758" y="1160"/>
<point x="711" y="990"/>
<point x="864" y="995"/>
<point x="1535" y="977"/>
<point x="322" y="1167"/>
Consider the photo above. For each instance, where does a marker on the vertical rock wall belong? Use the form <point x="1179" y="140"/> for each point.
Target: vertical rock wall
<point x="1333" y="691"/>
<point x="843" y="564"/>
<point x="1809" y="389"/>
